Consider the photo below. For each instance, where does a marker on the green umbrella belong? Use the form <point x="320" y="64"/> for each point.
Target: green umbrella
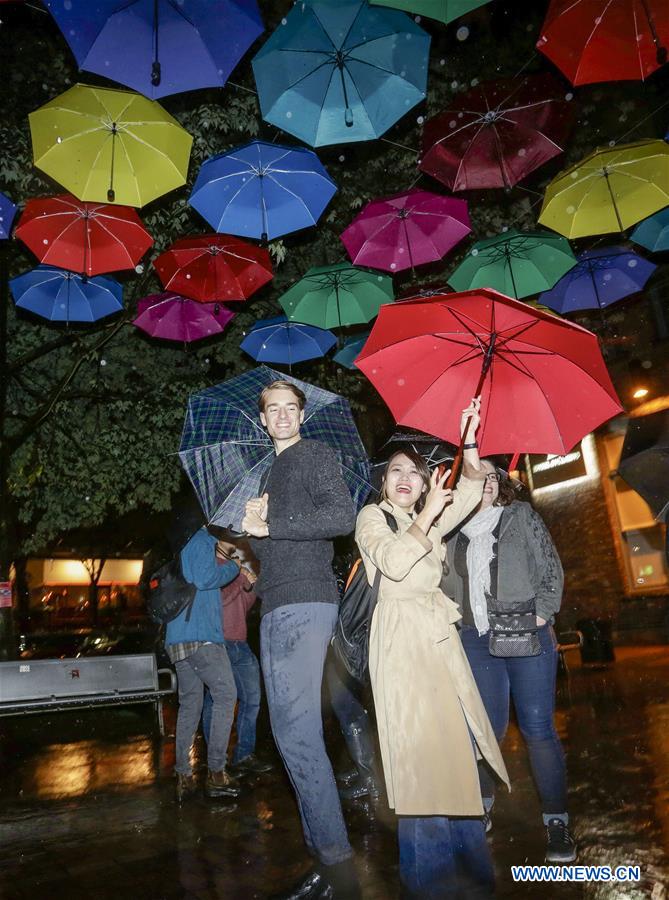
<point x="337" y="296"/>
<point x="517" y="263"/>
<point x="443" y="10"/>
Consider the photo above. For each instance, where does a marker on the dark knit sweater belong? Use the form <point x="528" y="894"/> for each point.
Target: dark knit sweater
<point x="309" y="504"/>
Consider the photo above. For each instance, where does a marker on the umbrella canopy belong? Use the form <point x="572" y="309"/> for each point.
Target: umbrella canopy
<point x="600" y="277"/>
<point x="337" y="296"/>
<point x="433" y="451"/>
<point x="175" y="318"/>
<point x="609" y="190"/>
<point x="90" y="238"/>
<point x="653" y="232"/>
<point x="349" y="352"/>
<point x="262" y="190"/>
<point x="7" y="212"/>
<point x="337" y="71"/>
<point x="406" y="230"/>
<point x="644" y="460"/>
<point x="597" y="40"/>
<point x="496" y="134"/>
<point x="542" y="380"/>
<point x="279" y="341"/>
<point x="110" y="146"/>
<point x="226" y="451"/>
<point x="443" y="10"/>
<point x="516" y="263"/>
<point x="159" y="47"/>
<point x="62" y="296"/>
<point x="214" y="267"/>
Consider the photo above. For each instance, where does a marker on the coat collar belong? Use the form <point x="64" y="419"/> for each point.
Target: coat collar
<point x="400" y="514"/>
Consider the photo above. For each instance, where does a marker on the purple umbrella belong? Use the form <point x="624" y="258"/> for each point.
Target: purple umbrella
<point x="406" y="230"/>
<point x="599" y="278"/>
<point x="7" y="213"/>
<point x="175" y="318"/>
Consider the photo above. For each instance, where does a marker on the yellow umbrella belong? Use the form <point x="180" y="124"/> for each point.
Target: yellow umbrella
<point x="110" y="146"/>
<point x="609" y="190"/>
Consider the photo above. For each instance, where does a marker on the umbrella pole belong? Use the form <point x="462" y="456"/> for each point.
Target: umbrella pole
<point x="600" y="305"/>
<point x="513" y="280"/>
<point x="660" y="50"/>
<point x="613" y="200"/>
<point x="155" y="67"/>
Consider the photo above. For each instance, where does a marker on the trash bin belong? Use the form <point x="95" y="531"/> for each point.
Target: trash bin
<point x="597" y="644"/>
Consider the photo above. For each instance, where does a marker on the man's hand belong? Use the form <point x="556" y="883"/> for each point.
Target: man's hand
<point x="258" y="505"/>
<point x="254" y="524"/>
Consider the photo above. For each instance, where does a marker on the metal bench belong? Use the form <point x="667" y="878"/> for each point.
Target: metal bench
<point x="52" y="685"/>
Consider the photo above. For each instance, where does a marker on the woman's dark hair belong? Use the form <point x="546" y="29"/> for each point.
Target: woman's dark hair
<point x="507" y="492"/>
<point x="421" y="466"/>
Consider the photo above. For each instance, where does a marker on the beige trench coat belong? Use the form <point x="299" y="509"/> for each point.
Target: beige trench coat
<point x="426" y="700"/>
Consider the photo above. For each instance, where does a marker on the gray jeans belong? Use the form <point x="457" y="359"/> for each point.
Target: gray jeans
<point x="294" y="641"/>
<point x="209" y="666"/>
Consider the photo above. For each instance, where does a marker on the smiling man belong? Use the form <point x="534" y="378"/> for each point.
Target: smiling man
<point x="305" y="505"/>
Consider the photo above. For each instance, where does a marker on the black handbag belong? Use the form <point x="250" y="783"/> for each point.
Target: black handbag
<point x="514" y="632"/>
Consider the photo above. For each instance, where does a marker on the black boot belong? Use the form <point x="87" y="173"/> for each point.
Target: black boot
<point x="358" y="739"/>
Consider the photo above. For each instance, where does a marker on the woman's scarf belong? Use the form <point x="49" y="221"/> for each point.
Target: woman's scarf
<point x="480" y="530"/>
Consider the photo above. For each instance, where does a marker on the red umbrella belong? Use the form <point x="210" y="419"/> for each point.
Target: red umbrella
<point x="542" y="380"/>
<point x="495" y="135"/>
<point x="214" y="267"/>
<point x="90" y="238"/>
<point x="601" y="40"/>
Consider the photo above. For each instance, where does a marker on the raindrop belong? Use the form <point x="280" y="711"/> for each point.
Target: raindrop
<point x="569" y="96"/>
<point x="289" y="115"/>
<point x="284" y="21"/>
<point x="646" y="364"/>
<point x="393" y="265"/>
<point x="571" y="210"/>
<point x="607" y="277"/>
<point x="460" y="115"/>
<point x="87" y="499"/>
<point x="103" y="362"/>
<point x="45" y="240"/>
<point x="475" y="252"/>
<point x="505" y="228"/>
<point x="462" y="33"/>
<point x="632" y="263"/>
<point x="187" y="275"/>
<point x="400" y="382"/>
<point x="452" y="123"/>
<point x="59" y="140"/>
<point x="474" y="82"/>
<point x="442" y="62"/>
<point x="522" y="151"/>
<point x="139" y="268"/>
<point x="420" y="120"/>
<point x="342" y="158"/>
<point x="612" y="143"/>
<point x="454" y="85"/>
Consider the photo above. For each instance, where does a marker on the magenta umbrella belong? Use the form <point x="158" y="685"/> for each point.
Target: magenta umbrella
<point x="175" y="318"/>
<point x="406" y="230"/>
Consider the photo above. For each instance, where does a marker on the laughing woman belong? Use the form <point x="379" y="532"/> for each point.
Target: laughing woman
<point x="430" y="717"/>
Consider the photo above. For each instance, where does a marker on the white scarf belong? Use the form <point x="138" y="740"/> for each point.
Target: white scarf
<point x="480" y="530"/>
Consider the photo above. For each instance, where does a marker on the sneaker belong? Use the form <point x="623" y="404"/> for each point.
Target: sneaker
<point x="186" y="787"/>
<point x="560" y="845"/>
<point x="221" y="784"/>
<point x="251" y="765"/>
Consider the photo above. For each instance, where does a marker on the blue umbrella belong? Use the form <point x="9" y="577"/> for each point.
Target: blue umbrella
<point x="7" y="212"/>
<point x="351" y="349"/>
<point x="279" y="341"/>
<point x="653" y="232"/>
<point x="159" y="47"/>
<point x="62" y="296"/>
<point x="226" y="451"/>
<point x="338" y="71"/>
<point x="262" y="190"/>
<point x="599" y="278"/>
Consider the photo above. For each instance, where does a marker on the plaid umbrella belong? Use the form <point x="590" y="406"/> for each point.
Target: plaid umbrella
<point x="226" y="451"/>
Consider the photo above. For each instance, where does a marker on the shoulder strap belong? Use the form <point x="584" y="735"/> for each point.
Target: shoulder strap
<point x="391" y="520"/>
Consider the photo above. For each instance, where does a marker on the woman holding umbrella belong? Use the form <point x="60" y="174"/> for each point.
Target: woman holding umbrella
<point x="430" y="716"/>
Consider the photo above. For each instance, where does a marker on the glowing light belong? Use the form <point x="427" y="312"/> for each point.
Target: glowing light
<point x="640" y="393"/>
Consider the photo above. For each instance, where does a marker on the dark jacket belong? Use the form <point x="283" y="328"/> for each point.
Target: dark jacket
<point x="528" y="566"/>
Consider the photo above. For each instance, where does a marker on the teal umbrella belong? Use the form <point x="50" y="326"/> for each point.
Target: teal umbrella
<point x="443" y="10"/>
<point x="517" y="263"/>
<point x="338" y="71"/>
<point x="352" y="348"/>
<point x="653" y="232"/>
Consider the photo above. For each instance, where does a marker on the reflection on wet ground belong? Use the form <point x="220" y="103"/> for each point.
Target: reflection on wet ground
<point x="88" y="808"/>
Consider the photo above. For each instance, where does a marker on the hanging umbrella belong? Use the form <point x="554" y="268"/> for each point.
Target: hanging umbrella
<point x="434" y="452"/>
<point x="601" y="40"/>
<point x="110" y="146"/>
<point x="337" y="71"/>
<point x="214" y="267"/>
<point x="62" y="296"/>
<point x="542" y="380"/>
<point x="175" y="318"/>
<point x="277" y="340"/>
<point x="159" y="47"/>
<point x="262" y="190"/>
<point x="609" y="190"/>
<point x="653" y="232"/>
<point x="644" y="460"/>
<point x="90" y="238"/>
<point x="337" y="296"/>
<point x="226" y="451"/>
<point x="7" y="212"/>
<point x="494" y="135"/>
<point x="516" y="263"/>
<point x="600" y="277"/>
<point x="406" y="230"/>
<point x="349" y="352"/>
<point x="443" y="10"/>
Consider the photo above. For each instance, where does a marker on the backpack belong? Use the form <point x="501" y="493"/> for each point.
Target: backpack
<point x="350" y="641"/>
<point x="168" y="593"/>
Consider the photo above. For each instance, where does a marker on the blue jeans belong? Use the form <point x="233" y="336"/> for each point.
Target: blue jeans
<point x="293" y="641"/>
<point x="530" y="682"/>
<point x="442" y="857"/>
<point x="246" y="672"/>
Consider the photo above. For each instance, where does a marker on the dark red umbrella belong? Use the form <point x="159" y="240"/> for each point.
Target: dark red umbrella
<point x="214" y="267"/>
<point x="497" y="133"/>
<point x="90" y="238"/>
<point x="542" y="380"/>
<point x="606" y="40"/>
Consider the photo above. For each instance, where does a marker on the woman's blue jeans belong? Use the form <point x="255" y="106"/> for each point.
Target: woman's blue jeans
<point x="246" y="672"/>
<point x="530" y="682"/>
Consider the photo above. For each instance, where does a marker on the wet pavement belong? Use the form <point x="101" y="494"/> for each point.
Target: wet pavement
<point x="88" y="811"/>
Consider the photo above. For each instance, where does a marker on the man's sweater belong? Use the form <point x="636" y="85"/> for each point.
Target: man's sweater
<point x="309" y="504"/>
